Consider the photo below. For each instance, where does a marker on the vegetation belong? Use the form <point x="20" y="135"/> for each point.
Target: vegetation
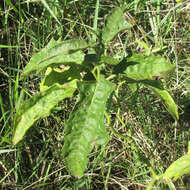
<point x="100" y="64"/>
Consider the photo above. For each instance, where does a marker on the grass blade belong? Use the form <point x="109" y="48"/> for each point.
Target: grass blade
<point x="50" y="11"/>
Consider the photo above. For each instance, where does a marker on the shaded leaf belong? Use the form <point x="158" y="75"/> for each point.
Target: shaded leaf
<point x="109" y="60"/>
<point x="37" y="107"/>
<point x="56" y="53"/>
<point x="115" y="24"/>
<point x="86" y="124"/>
<point x="60" y="76"/>
<point x="139" y="67"/>
<point x="168" y="101"/>
<point x="178" y="168"/>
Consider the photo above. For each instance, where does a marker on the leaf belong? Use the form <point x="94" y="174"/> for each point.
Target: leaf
<point x="178" y="168"/>
<point x="143" y="69"/>
<point x="102" y="136"/>
<point x="56" y="53"/>
<point x="115" y="24"/>
<point x="86" y="124"/>
<point x="60" y="76"/>
<point x="168" y="101"/>
<point x="109" y="60"/>
<point x="139" y="67"/>
<point x="39" y="106"/>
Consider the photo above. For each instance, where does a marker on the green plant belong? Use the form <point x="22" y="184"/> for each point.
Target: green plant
<point x="94" y="76"/>
<point x="177" y="169"/>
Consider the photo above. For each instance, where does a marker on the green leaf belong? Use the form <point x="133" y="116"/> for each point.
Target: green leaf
<point x="60" y="76"/>
<point x="143" y="69"/>
<point x="178" y="168"/>
<point x="86" y="124"/>
<point x="109" y="60"/>
<point x="56" y="53"/>
<point x="168" y="101"/>
<point x="115" y="24"/>
<point x="39" y="106"/>
<point x="139" y="67"/>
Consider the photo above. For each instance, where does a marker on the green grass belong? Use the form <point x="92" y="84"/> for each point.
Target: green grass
<point x="26" y="27"/>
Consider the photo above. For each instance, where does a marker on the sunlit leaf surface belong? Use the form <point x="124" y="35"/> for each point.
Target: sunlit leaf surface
<point x="37" y="107"/>
<point x="86" y="124"/>
<point x="56" y="53"/>
<point x="178" y="168"/>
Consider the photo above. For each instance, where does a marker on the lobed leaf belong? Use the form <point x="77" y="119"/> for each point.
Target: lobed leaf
<point x="56" y="53"/>
<point x="86" y="124"/>
<point x="115" y="24"/>
<point x="168" y="101"/>
<point x="139" y="67"/>
<point x="39" y="106"/>
<point x="178" y="168"/>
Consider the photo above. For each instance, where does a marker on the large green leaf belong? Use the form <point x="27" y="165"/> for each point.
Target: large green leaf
<point x="168" y="101"/>
<point x="115" y="24"/>
<point x="39" y="106"/>
<point x="86" y="124"/>
<point x="56" y="53"/>
<point x="178" y="168"/>
<point x="139" y="67"/>
<point x="143" y="69"/>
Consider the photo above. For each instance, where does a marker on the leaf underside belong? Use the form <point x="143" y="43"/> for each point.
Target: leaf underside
<point x="86" y="125"/>
<point x="37" y="107"/>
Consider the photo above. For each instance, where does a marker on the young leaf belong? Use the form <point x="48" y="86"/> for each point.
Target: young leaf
<point x="115" y="24"/>
<point x="56" y="53"/>
<point x="178" y="168"/>
<point x="86" y="124"/>
<point x="139" y="67"/>
<point x="39" y="106"/>
<point x="168" y="101"/>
